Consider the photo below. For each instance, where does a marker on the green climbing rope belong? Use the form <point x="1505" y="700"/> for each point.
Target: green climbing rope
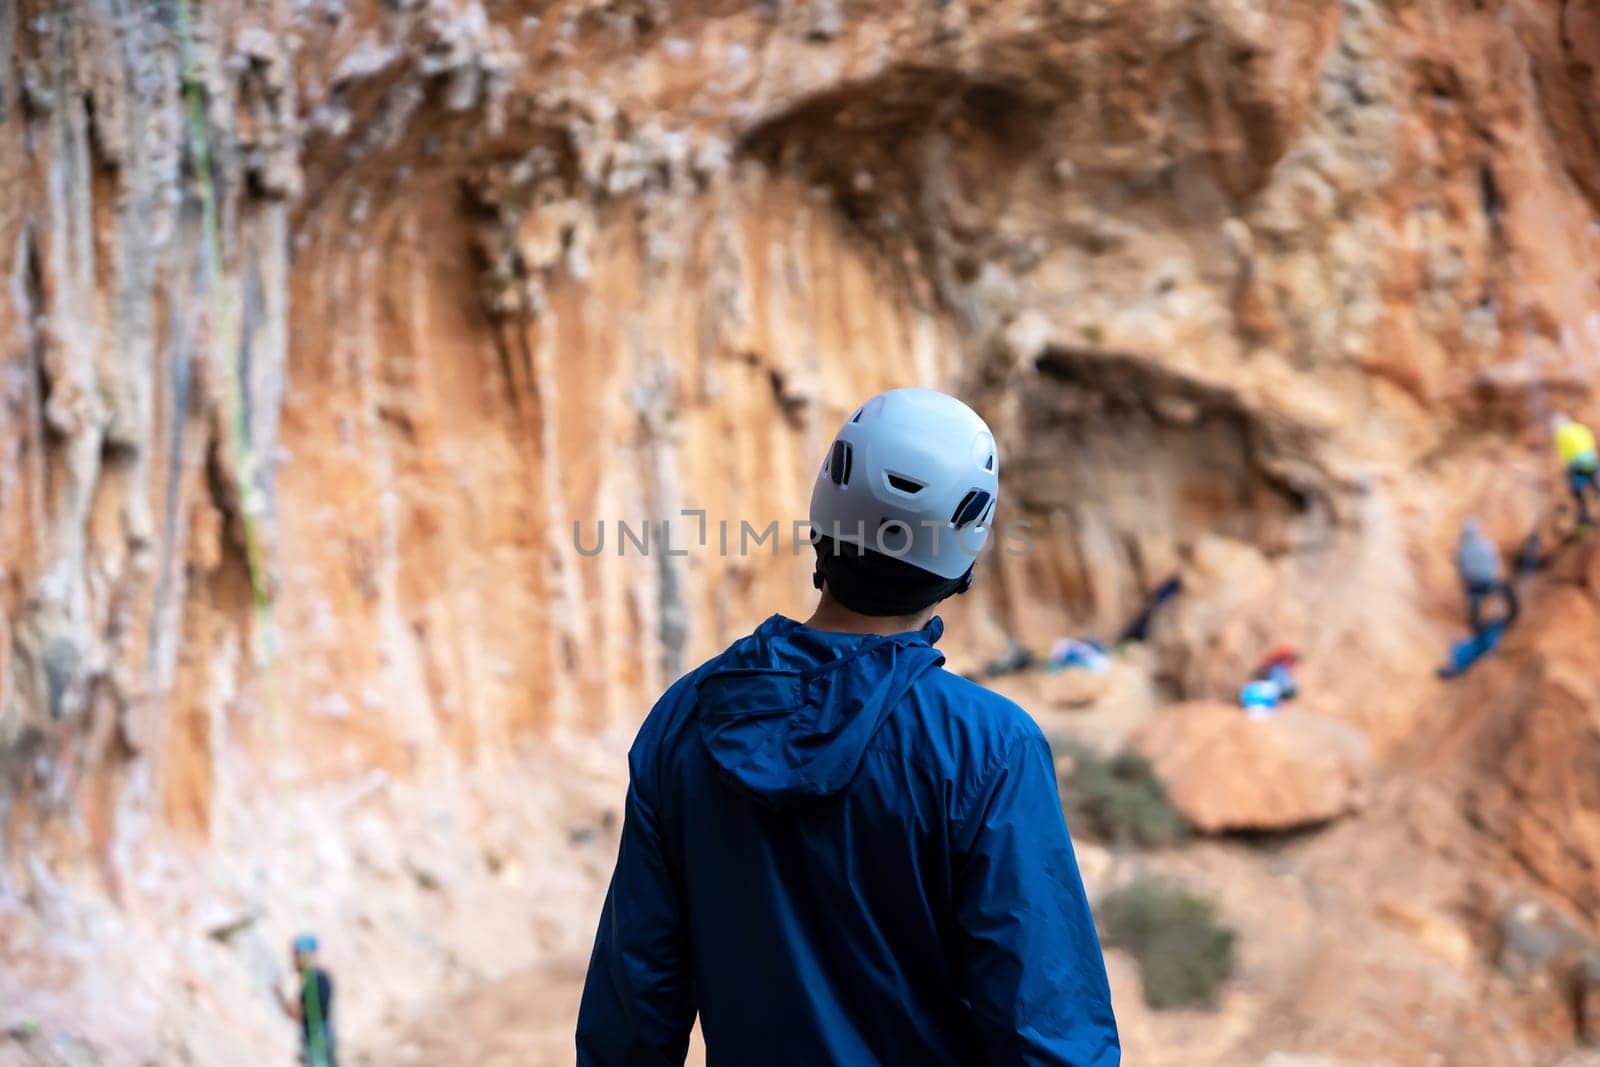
<point x="249" y="496"/>
<point x="250" y="504"/>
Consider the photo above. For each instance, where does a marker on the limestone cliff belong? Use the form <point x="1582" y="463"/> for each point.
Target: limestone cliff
<point x="1268" y="294"/>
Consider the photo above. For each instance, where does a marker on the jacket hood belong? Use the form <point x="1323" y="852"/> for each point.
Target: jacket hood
<point x="788" y="712"/>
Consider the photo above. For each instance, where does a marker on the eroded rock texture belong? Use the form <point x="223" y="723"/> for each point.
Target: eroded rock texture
<point x="1266" y="294"/>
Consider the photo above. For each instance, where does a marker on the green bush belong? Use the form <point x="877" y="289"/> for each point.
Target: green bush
<point x="1119" y="801"/>
<point x="1184" y="952"/>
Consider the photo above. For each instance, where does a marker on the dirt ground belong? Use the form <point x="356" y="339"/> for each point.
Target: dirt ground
<point x="524" y="1021"/>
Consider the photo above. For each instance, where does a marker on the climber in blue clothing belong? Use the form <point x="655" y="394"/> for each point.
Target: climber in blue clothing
<point x="835" y="851"/>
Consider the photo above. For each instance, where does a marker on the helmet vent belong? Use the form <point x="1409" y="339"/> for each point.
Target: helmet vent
<point x="988" y="464"/>
<point x="905" y="485"/>
<point x="857" y="416"/>
<point x="839" y="463"/>
<point x="971" y="507"/>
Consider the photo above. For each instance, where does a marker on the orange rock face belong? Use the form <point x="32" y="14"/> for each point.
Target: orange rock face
<point x="1217" y="276"/>
<point x="1528" y="745"/>
<point x="1268" y="296"/>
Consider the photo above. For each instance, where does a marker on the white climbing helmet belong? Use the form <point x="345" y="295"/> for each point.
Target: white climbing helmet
<point x="913" y="474"/>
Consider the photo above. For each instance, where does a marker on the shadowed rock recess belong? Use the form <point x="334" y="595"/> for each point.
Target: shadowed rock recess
<point x="295" y="630"/>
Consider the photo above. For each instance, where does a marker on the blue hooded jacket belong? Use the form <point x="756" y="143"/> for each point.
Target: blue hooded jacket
<point x="839" y="853"/>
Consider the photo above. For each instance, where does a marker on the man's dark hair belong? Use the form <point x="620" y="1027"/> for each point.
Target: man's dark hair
<point x="871" y="583"/>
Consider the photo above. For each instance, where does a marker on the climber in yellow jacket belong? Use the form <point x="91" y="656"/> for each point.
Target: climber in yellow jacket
<point x="1575" y="446"/>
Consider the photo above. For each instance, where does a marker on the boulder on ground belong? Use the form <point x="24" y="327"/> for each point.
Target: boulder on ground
<point x="1224" y="771"/>
<point x="1074" y="687"/>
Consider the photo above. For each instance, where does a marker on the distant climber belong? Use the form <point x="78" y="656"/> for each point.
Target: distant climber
<point x="1272" y="683"/>
<point x="311" y="1004"/>
<point x="834" y="851"/>
<point x="1260" y="698"/>
<point x="1483" y="578"/>
<point x="1139" y="628"/>
<point x="1070" y="653"/>
<point x="1279" y="669"/>
<point x="1576" y="448"/>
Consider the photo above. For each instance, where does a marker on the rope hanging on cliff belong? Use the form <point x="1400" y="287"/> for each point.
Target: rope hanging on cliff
<point x="250" y="502"/>
<point x="249" y="496"/>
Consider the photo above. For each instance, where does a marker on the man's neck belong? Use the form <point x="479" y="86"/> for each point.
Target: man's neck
<point x="834" y="617"/>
